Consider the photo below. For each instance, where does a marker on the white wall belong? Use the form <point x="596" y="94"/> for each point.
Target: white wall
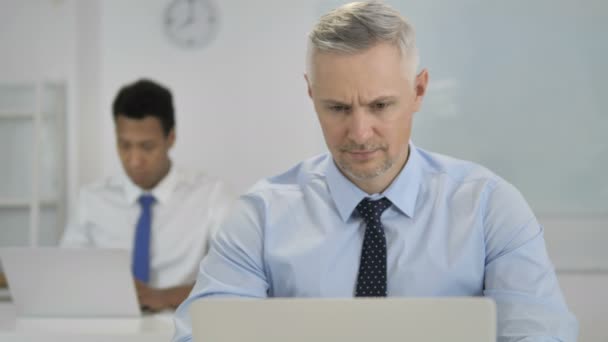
<point x="37" y="39"/>
<point x="87" y="92"/>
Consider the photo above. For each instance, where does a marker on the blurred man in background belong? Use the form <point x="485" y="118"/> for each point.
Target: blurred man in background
<point x="161" y="213"/>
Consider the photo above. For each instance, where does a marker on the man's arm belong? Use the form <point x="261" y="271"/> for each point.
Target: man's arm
<point x="151" y="299"/>
<point x="76" y="233"/>
<point x="519" y="274"/>
<point x="234" y="265"/>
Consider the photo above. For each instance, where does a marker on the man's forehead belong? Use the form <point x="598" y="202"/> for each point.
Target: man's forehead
<point x="347" y="87"/>
<point x="360" y="100"/>
<point x="138" y="132"/>
<point x="377" y="62"/>
<point x="148" y="123"/>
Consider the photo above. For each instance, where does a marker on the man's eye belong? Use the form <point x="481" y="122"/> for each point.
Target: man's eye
<point x="379" y="105"/>
<point x="338" y="108"/>
<point x="147" y="147"/>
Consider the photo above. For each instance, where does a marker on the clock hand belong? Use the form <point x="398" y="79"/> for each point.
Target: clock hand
<point x="190" y="18"/>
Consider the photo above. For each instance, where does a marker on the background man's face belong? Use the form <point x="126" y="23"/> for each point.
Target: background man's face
<point x="365" y="103"/>
<point x="143" y="149"/>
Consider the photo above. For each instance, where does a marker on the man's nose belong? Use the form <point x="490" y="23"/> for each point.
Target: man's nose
<point x="360" y="126"/>
<point x="135" y="159"/>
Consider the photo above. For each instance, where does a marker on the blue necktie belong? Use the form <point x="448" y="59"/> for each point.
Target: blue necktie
<point x="141" y="248"/>
<point x="371" y="281"/>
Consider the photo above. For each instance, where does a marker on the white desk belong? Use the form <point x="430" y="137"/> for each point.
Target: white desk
<point x="150" y="328"/>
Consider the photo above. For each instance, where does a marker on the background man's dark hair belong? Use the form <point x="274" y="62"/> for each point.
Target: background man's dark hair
<point x="145" y="98"/>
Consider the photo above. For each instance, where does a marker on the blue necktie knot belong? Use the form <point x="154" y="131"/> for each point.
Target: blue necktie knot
<point x="146" y="200"/>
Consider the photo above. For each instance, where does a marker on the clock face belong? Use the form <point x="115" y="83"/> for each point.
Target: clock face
<point x="191" y="23"/>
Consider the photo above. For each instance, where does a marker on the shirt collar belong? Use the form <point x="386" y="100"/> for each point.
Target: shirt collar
<point x="402" y="192"/>
<point x="161" y="192"/>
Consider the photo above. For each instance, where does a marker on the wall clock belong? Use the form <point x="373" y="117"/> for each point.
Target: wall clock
<point x="191" y="23"/>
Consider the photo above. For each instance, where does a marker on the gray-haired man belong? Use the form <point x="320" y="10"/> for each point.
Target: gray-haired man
<point x="378" y="216"/>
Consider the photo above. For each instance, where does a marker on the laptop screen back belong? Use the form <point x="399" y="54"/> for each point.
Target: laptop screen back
<point x="348" y="320"/>
<point x="58" y="282"/>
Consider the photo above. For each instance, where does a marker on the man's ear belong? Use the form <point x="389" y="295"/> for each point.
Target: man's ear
<point x="422" y="81"/>
<point x="308" y="85"/>
<point x="171" y="137"/>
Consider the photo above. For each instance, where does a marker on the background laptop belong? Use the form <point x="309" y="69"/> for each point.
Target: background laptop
<point x="348" y="320"/>
<point x="70" y="282"/>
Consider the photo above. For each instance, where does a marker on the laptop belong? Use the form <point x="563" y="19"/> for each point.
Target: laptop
<point x="70" y="282"/>
<point x="349" y="320"/>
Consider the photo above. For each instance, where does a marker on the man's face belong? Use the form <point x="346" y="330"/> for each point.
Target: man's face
<point x="143" y="149"/>
<point x="365" y="103"/>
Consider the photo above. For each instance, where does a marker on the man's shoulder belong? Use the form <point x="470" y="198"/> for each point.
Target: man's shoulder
<point x="108" y="184"/>
<point x="196" y="178"/>
<point x="202" y="185"/>
<point x="296" y="179"/>
<point x="109" y="190"/>
<point x="459" y="171"/>
<point x="475" y="180"/>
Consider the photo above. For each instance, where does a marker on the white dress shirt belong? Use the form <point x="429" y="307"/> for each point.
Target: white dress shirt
<point x="189" y="207"/>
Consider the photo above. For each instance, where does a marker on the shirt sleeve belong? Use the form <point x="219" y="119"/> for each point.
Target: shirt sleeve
<point x="519" y="274"/>
<point x="76" y="233"/>
<point x="234" y="265"/>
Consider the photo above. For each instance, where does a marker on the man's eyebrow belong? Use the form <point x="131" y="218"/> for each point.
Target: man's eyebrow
<point x="334" y="102"/>
<point x="387" y="98"/>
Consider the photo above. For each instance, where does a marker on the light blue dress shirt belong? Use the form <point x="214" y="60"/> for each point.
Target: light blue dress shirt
<point x="454" y="229"/>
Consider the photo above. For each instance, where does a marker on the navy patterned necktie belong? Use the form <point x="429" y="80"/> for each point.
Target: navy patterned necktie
<point x="371" y="281"/>
<point x="141" y="247"/>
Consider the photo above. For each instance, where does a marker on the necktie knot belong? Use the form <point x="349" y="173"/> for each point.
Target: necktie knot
<point x="146" y="200"/>
<point x="370" y="210"/>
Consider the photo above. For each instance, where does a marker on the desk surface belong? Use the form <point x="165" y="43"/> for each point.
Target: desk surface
<point x="151" y="328"/>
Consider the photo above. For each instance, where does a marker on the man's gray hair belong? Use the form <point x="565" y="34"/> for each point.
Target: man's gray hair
<point x="358" y="26"/>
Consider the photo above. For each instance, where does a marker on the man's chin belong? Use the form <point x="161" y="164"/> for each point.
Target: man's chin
<point x="140" y="182"/>
<point x="365" y="171"/>
<point x="362" y="173"/>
